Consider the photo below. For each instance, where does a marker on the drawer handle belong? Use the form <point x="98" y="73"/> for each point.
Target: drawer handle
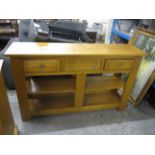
<point x="71" y="62"/>
<point x="42" y="66"/>
<point x="119" y="65"/>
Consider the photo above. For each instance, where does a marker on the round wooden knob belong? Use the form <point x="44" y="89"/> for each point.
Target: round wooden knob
<point x="42" y="66"/>
<point x="119" y="65"/>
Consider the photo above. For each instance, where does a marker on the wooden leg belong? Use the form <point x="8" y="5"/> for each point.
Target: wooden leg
<point x="6" y="117"/>
<point x="16" y="132"/>
<point x="80" y="90"/>
<point x="20" y="84"/>
<point x="129" y="85"/>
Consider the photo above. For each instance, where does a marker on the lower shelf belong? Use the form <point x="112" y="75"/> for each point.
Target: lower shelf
<point x="55" y="102"/>
<point x="106" y="98"/>
<point x="64" y="103"/>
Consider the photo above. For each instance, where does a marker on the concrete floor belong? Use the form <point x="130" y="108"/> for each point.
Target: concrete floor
<point x="140" y="120"/>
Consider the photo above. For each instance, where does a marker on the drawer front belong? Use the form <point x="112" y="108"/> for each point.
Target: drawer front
<point x="118" y="65"/>
<point x="82" y="64"/>
<point x="41" y="66"/>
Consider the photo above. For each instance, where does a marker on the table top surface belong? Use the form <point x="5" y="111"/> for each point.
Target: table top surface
<point x="71" y="49"/>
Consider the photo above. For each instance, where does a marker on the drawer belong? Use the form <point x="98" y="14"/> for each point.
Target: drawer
<point x="82" y="64"/>
<point x="41" y="66"/>
<point x="118" y="65"/>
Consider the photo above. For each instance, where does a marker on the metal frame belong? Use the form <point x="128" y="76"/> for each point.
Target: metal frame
<point x="119" y="32"/>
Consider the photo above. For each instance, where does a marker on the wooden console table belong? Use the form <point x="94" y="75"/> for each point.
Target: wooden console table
<point x="54" y="78"/>
<point x="7" y="126"/>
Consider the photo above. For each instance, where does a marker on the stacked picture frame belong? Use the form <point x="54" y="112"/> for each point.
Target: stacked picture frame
<point x="144" y="40"/>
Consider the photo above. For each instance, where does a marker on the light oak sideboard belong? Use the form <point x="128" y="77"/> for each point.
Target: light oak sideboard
<point x="7" y="125"/>
<point x="54" y="78"/>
